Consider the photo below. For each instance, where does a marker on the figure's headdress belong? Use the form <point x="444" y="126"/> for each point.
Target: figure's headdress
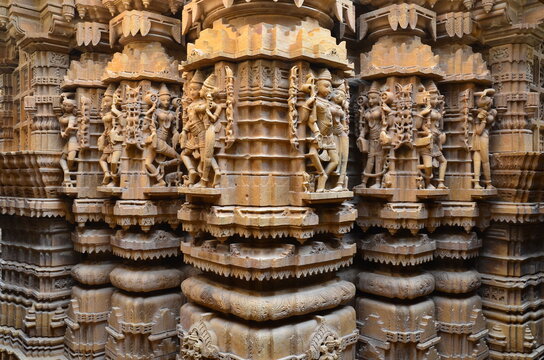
<point x="324" y="74"/>
<point x="198" y="78"/>
<point x="210" y="82"/>
<point x="110" y="90"/>
<point x="164" y="90"/>
<point x="374" y="88"/>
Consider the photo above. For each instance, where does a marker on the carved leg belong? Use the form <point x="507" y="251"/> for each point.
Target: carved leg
<point x="476" y="158"/>
<point x="368" y="169"/>
<point x="188" y="162"/>
<point x="105" y="168"/>
<point x="115" y="161"/>
<point x="65" y="169"/>
<point x="428" y="171"/>
<point x="322" y="176"/>
<point x="442" y="172"/>
<point x="216" y="172"/>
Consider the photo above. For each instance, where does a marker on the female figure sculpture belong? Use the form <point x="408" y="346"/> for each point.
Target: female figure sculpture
<point x="160" y="124"/>
<point x="480" y="140"/>
<point x="317" y="111"/>
<point x="340" y="113"/>
<point x="68" y="130"/>
<point x="104" y="144"/>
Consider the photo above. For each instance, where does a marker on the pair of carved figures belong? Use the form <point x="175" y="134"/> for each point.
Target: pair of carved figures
<point x="389" y="120"/>
<point x="156" y="131"/>
<point x="326" y="112"/>
<point x="74" y="130"/>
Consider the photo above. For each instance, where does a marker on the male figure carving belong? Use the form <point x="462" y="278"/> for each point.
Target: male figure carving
<point x="116" y="136"/>
<point x="438" y="137"/>
<point x="369" y="138"/>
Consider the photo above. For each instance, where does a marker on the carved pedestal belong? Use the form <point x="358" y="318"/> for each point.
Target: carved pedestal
<point x="458" y="308"/>
<point x="389" y="294"/>
<point x="35" y="285"/>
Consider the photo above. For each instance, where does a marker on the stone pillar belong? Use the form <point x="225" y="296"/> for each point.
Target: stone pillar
<point x="398" y="186"/>
<point x="139" y="112"/>
<point x="394" y="315"/>
<point x="461" y="324"/>
<point x="418" y="139"/>
<point x="510" y="264"/>
<point x="36" y="251"/>
<point x="267" y="217"/>
<point x="35" y="284"/>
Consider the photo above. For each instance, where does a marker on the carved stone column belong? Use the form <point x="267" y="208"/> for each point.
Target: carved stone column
<point x="139" y="111"/>
<point x="418" y="139"/>
<point x="36" y="249"/>
<point x="267" y="215"/>
<point x="461" y="324"/>
<point x="398" y="126"/>
<point x="81" y="128"/>
<point x="510" y="259"/>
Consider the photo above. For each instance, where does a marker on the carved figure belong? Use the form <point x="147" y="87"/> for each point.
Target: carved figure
<point x="317" y="112"/>
<point x="483" y="121"/>
<point x="198" y="135"/>
<point x="438" y="136"/>
<point x="192" y="347"/>
<point x="329" y="350"/>
<point x="68" y="131"/>
<point x="116" y="137"/>
<point x="104" y="143"/>
<point x="403" y="121"/>
<point x="369" y="142"/>
<point x="430" y="138"/>
<point x="160" y="125"/>
<point x="340" y="113"/>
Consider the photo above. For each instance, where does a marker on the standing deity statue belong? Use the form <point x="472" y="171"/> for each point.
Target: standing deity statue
<point x="116" y="136"/>
<point x="438" y="136"/>
<point x="369" y="140"/>
<point x="480" y="139"/>
<point x="104" y="144"/>
<point x="317" y="112"/>
<point x="160" y="128"/>
<point x="68" y="130"/>
<point x="429" y="136"/>
<point x="340" y="113"/>
<point x="199" y="133"/>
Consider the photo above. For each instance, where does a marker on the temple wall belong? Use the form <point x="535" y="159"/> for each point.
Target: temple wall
<point x="271" y="180"/>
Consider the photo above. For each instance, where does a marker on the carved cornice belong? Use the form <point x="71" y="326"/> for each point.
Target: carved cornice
<point x="461" y="64"/>
<point x="307" y="41"/>
<point x="401" y="19"/>
<point x="400" y="56"/>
